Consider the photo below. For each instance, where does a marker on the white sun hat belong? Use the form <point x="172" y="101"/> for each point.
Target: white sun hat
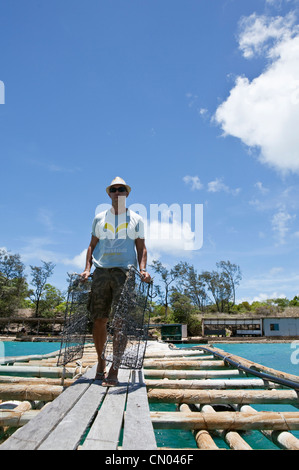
<point x="118" y="180"/>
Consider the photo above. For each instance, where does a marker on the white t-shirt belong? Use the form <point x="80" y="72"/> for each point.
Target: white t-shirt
<point x="117" y="235"/>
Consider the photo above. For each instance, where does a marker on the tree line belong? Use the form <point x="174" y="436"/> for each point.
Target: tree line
<point x="181" y="292"/>
<point x="216" y="287"/>
<point x="16" y="293"/>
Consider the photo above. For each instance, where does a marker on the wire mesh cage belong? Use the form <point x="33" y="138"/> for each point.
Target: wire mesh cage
<point x="76" y="320"/>
<point x="128" y="330"/>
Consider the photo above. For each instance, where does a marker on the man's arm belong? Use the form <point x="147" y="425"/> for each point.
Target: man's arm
<point x="142" y="258"/>
<point x="93" y="243"/>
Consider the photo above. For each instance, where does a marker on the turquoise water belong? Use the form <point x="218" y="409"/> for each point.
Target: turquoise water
<point x="280" y="356"/>
<point x="23" y="348"/>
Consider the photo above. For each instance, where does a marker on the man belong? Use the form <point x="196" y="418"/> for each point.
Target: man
<point x="117" y="242"/>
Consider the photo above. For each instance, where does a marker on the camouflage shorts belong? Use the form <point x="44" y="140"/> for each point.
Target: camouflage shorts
<point x="107" y="284"/>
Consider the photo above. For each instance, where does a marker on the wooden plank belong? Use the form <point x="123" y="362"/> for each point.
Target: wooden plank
<point x="281" y="421"/>
<point x="138" y="429"/>
<point x="37" y="430"/>
<point x="105" y="430"/>
<point x="68" y="433"/>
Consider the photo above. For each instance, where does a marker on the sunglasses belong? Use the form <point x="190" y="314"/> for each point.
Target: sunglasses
<point x="120" y="190"/>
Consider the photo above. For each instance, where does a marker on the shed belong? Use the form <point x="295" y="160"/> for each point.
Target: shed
<point x="281" y="326"/>
<point x="173" y="332"/>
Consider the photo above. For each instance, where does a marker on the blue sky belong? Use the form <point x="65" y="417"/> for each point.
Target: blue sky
<point x="191" y="102"/>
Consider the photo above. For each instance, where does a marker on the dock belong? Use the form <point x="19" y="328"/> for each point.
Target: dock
<point x="214" y="394"/>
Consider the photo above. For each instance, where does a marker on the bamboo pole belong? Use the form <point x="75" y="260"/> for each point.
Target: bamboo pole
<point x="182" y="358"/>
<point x="232" y="438"/>
<point x="37" y="371"/>
<point x="35" y="380"/>
<point x="38" y="392"/>
<point x="253" y="365"/>
<point x="72" y="364"/>
<point x="240" y="397"/>
<point x="284" y="439"/>
<point x="194" y="365"/>
<point x="16" y="419"/>
<point x="208" y="384"/>
<point x="191" y="374"/>
<point x="20" y="407"/>
<point x="203" y="439"/>
<point x="281" y="421"/>
<point x="171" y="354"/>
<point x="12" y="359"/>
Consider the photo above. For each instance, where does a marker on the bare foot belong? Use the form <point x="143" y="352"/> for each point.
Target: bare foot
<point x="101" y="370"/>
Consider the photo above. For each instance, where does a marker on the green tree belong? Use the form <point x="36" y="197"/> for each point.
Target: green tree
<point x="218" y="286"/>
<point x="13" y="285"/>
<point x="191" y="284"/>
<point x="233" y="276"/>
<point x="183" y="311"/>
<point x="295" y="301"/>
<point x="167" y="277"/>
<point x="51" y="298"/>
<point x="40" y="275"/>
<point x="222" y="284"/>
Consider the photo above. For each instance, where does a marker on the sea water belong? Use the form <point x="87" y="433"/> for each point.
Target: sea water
<point x="279" y="356"/>
<point x="27" y="348"/>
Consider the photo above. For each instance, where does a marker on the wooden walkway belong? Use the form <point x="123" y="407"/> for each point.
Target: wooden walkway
<point x="87" y="416"/>
<point x="213" y="392"/>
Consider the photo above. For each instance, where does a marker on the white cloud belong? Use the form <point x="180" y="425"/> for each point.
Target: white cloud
<point x="52" y="167"/>
<point x="37" y="248"/>
<point x="276" y="270"/>
<point x="261" y="297"/>
<point x="280" y="224"/>
<point x="261" y="188"/>
<point x="194" y="181"/>
<point x="260" y="33"/>
<point x="77" y="261"/>
<point x="264" y="113"/>
<point x="46" y="218"/>
<point x="217" y="185"/>
<point x="273" y="284"/>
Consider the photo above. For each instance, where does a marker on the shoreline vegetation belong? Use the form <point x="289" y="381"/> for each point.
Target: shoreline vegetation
<point x="30" y="311"/>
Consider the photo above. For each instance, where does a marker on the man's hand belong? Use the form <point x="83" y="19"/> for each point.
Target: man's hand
<point x="85" y="275"/>
<point x="145" y="277"/>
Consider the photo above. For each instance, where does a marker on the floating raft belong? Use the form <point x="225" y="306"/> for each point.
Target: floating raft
<point x="214" y="401"/>
<point x="79" y="413"/>
<point x="214" y="394"/>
